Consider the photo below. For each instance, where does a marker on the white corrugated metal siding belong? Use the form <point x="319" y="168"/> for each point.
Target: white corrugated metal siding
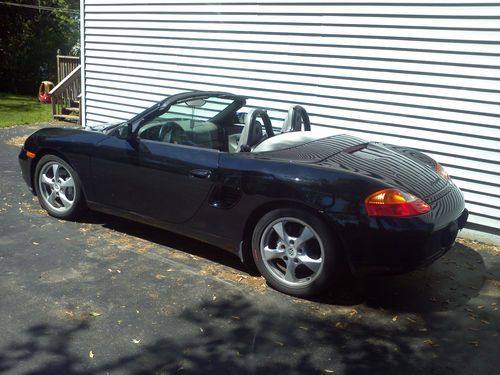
<point x="419" y="73"/>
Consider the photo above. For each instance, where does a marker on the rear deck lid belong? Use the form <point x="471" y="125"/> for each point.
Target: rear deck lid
<point x="390" y="166"/>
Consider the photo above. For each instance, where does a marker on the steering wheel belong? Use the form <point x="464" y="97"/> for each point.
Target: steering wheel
<point x="171" y="132"/>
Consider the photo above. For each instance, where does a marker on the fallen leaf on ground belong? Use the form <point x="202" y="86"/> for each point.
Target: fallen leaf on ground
<point x="91" y="354"/>
<point x="430" y="343"/>
<point x="93" y="313"/>
<point x="136" y="341"/>
<point x="395" y="318"/>
<point x="341" y="325"/>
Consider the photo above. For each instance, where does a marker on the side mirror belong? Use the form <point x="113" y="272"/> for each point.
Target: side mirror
<point x="131" y="135"/>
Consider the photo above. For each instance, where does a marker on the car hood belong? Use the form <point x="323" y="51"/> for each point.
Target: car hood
<point x="396" y="166"/>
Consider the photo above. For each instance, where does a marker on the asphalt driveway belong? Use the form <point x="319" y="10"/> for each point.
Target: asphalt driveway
<point x="106" y="295"/>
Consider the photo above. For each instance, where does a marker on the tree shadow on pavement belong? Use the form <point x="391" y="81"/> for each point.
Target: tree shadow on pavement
<point x="238" y="337"/>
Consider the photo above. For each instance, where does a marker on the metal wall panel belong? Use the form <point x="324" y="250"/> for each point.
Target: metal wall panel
<point x="418" y="73"/>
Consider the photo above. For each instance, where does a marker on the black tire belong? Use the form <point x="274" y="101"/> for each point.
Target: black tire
<point x="59" y="208"/>
<point x="275" y="270"/>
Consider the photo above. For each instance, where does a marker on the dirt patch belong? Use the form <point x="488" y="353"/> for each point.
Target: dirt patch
<point x="233" y="276"/>
<point x="60" y="275"/>
<point x="32" y="208"/>
<point x="479" y="246"/>
<point x="117" y="240"/>
<point x="16" y="141"/>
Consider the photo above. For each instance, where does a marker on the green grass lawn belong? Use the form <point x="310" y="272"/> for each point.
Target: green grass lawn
<point x="19" y="110"/>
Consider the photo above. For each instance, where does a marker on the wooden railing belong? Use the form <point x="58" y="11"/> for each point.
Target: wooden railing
<point x="65" y="96"/>
<point x="65" y="65"/>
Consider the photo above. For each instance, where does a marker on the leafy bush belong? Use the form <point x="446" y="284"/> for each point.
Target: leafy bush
<point x="29" y="40"/>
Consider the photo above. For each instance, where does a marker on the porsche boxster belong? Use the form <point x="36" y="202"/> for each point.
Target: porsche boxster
<point x="299" y="204"/>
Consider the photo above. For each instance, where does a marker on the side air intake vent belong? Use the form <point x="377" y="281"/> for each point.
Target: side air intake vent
<point x="225" y="197"/>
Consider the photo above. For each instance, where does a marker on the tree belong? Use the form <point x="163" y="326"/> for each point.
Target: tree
<point x="30" y="38"/>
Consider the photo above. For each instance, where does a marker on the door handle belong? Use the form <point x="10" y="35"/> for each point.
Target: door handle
<point x="200" y="173"/>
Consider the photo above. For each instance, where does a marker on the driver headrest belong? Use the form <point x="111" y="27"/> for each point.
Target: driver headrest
<point x="252" y="133"/>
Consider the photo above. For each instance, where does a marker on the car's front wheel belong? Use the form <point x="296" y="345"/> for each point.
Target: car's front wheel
<point x="58" y="188"/>
<point x="294" y="251"/>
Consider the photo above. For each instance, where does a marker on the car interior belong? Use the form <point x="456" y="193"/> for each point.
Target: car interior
<point x="214" y="123"/>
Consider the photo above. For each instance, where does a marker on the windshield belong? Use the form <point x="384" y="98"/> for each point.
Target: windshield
<point x="193" y="112"/>
<point x="191" y="121"/>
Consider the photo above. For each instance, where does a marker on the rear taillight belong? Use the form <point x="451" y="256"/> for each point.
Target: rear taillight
<point x="395" y="203"/>
<point x="442" y="172"/>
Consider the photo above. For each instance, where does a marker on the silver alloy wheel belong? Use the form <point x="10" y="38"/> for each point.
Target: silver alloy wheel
<point x="292" y="251"/>
<point x="57" y="187"/>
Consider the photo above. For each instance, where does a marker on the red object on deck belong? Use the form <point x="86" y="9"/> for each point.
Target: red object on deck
<point x="43" y="92"/>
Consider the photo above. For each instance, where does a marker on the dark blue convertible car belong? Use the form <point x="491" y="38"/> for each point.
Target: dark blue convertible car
<point x="300" y="205"/>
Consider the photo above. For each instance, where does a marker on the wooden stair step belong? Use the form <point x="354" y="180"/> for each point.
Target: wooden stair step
<point x="67" y="117"/>
<point x="72" y="109"/>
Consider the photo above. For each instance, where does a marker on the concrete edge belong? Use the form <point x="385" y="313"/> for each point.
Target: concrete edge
<point x="486" y="238"/>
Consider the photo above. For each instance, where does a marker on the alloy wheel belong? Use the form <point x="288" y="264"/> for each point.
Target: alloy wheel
<point x="57" y="187"/>
<point x="292" y="251"/>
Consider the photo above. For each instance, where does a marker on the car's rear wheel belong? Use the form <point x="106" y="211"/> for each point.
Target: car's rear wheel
<point x="295" y="252"/>
<point x="58" y="188"/>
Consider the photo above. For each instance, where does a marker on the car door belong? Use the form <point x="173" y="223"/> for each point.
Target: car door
<point x="115" y="174"/>
<point x="163" y="181"/>
<point x="175" y="180"/>
<point x="163" y="167"/>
